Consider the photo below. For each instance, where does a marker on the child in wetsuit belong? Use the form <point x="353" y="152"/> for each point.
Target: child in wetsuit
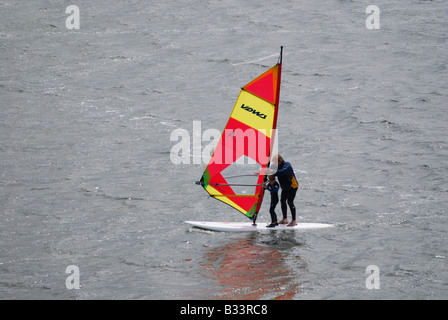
<point x="273" y="187"/>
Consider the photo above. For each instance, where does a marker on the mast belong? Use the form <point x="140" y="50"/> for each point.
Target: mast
<point x="274" y="129"/>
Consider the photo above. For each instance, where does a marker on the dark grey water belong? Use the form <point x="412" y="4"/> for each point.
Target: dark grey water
<point x="86" y="177"/>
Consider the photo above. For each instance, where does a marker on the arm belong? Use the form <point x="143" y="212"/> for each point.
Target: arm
<point x="285" y="168"/>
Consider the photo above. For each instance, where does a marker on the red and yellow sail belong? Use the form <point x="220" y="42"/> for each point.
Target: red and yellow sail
<point x="236" y="171"/>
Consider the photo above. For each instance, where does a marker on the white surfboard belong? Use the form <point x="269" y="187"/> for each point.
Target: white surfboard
<point x="248" y="227"/>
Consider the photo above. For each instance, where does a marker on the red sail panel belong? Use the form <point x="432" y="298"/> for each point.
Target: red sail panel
<point x="265" y="86"/>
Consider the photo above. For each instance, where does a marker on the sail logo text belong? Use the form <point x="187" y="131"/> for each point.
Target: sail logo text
<point x="250" y="145"/>
<point x="249" y="109"/>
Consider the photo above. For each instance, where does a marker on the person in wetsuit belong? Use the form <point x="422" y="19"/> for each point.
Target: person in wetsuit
<point x="272" y="186"/>
<point x="289" y="185"/>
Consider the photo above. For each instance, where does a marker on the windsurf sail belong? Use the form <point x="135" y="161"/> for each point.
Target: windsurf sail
<point x="236" y="171"/>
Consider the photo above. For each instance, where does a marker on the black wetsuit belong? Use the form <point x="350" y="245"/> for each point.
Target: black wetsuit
<point x="288" y="182"/>
<point x="273" y="189"/>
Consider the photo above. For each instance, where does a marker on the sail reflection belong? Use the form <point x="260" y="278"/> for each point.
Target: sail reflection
<point x="249" y="269"/>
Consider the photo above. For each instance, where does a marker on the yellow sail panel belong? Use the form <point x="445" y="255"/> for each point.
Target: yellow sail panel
<point x="254" y="112"/>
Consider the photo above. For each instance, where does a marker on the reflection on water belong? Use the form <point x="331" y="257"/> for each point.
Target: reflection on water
<point x="258" y="266"/>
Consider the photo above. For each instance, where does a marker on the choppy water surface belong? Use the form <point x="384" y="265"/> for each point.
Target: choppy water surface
<point x="86" y="177"/>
